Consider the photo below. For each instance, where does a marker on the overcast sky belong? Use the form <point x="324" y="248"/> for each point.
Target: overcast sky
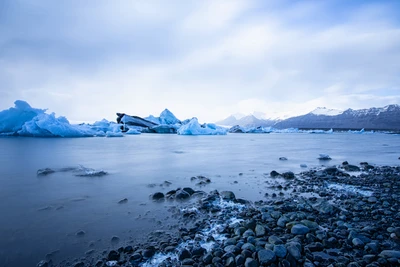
<point x="87" y="60"/>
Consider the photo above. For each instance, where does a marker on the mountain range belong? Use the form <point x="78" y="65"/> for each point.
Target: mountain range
<point x="385" y="118"/>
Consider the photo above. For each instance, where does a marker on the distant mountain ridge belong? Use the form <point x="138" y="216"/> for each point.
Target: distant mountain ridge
<point x="385" y="118"/>
<point x="247" y="121"/>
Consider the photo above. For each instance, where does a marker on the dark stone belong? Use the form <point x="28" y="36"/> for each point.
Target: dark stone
<point x="187" y="261"/>
<point x="230" y="262"/>
<point x="148" y="252"/>
<point x="294" y="251"/>
<point x="227" y="195"/>
<point x="331" y="171"/>
<point x="390" y="254"/>
<point x="123" y="201"/>
<point x="251" y="263"/>
<point x="80" y="233"/>
<point x="274" y="174"/>
<point x="184" y="254"/>
<point x="135" y="258"/>
<point x="288" y="175"/>
<point x="44" y="172"/>
<point x="42" y="263"/>
<point x="239" y="260"/>
<point x="113" y="255"/>
<point x="266" y="256"/>
<point x="198" y="251"/>
<point x="299" y="229"/>
<point x="207" y="259"/>
<point x="158" y="196"/>
<point x="351" y="168"/>
<point x="181" y="195"/>
<point x="188" y="190"/>
<point x="280" y="251"/>
<point x="128" y="249"/>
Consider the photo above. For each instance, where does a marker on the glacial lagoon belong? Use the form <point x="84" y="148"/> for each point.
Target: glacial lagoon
<point x="43" y="215"/>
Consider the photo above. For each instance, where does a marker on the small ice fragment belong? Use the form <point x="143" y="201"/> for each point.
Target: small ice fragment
<point x="324" y="157"/>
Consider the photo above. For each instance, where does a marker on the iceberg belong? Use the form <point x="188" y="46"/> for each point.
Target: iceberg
<point x="23" y="120"/>
<point x="166" y="117"/>
<point x="193" y="127"/>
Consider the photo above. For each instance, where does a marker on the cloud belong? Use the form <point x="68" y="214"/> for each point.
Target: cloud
<point x="199" y="58"/>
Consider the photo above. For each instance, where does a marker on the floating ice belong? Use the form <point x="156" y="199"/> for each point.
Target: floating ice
<point x="194" y="128"/>
<point x="78" y="171"/>
<point x="324" y="157"/>
<point x="23" y="120"/>
<point x="133" y="131"/>
<point x="166" y="117"/>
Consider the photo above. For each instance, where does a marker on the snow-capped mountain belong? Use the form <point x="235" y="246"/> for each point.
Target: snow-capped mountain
<point x="246" y="121"/>
<point x="325" y="111"/>
<point x="386" y="118"/>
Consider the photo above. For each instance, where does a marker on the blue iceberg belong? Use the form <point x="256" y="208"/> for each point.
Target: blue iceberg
<point x="193" y="127"/>
<point x="23" y="120"/>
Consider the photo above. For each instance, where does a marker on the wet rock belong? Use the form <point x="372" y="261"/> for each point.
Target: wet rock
<point x="331" y="170"/>
<point x="189" y="190"/>
<point x="136" y="257"/>
<point x="128" y="249"/>
<point x="280" y="251"/>
<point x="294" y="251"/>
<point x="324" y="207"/>
<point x="266" y="256"/>
<point x="113" y="256"/>
<point x="310" y="224"/>
<point x="358" y="243"/>
<point x="182" y="195"/>
<point x="282" y="221"/>
<point x="42" y="263"/>
<point x="300" y="229"/>
<point x="260" y="230"/>
<point x="80" y="233"/>
<point x="351" y="168"/>
<point x="288" y="175"/>
<point x="390" y="254"/>
<point x="184" y="254"/>
<point x="239" y="260"/>
<point x="283" y="158"/>
<point x="227" y="195"/>
<point x="248" y="233"/>
<point x="274" y="174"/>
<point x="275" y="240"/>
<point x="249" y="246"/>
<point x="45" y="171"/>
<point x="148" y="252"/>
<point x="251" y="263"/>
<point x="123" y="201"/>
<point x="158" y="196"/>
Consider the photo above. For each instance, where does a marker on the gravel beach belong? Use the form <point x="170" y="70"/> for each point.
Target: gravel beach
<point x="347" y="215"/>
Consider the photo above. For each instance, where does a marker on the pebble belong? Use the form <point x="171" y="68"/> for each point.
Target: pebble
<point x="299" y="229"/>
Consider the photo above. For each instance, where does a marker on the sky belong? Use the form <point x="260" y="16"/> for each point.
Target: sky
<point x="87" y="60"/>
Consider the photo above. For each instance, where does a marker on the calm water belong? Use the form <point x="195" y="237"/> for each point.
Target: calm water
<point x="41" y="214"/>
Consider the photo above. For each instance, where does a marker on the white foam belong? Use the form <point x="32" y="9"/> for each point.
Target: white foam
<point x="350" y="189"/>
<point x="158" y="258"/>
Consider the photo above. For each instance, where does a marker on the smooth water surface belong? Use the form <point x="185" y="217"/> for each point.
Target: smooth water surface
<point x="41" y="214"/>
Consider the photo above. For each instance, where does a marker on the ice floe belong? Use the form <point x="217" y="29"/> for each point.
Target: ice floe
<point x="193" y="127"/>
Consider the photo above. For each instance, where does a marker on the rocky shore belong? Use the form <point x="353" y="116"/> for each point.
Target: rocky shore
<point x="347" y="215"/>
